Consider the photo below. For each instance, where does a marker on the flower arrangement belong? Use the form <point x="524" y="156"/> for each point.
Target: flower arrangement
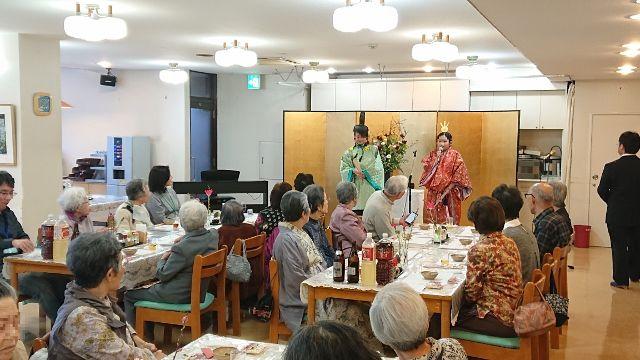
<point x="208" y="191"/>
<point x="392" y="146"/>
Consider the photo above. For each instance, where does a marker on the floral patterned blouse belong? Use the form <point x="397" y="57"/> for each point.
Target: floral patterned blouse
<point x="494" y="276"/>
<point x="444" y="349"/>
<point x="88" y="335"/>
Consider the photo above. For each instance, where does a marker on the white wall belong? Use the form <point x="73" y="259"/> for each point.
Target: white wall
<point x="38" y="169"/>
<point x="594" y="97"/>
<point x="247" y="117"/>
<point x="140" y="104"/>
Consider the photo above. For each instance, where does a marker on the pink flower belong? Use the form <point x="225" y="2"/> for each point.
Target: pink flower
<point x="208" y="192"/>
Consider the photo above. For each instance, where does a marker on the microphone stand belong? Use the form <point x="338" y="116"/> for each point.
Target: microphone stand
<point x="415" y="152"/>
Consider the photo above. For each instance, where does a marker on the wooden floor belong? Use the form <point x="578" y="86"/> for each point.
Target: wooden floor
<point x="604" y="322"/>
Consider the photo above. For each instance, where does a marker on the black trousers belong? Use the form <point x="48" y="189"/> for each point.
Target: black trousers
<point x="625" y="252"/>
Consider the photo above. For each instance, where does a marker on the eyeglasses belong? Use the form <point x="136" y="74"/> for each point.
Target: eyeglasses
<point x="529" y="194"/>
<point x="8" y="193"/>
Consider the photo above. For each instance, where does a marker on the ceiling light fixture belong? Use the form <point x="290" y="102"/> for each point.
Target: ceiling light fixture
<point x="331" y="70"/>
<point x="313" y="75"/>
<point x="368" y="70"/>
<point x="95" y="27"/>
<point x="428" y="68"/>
<point x="438" y="48"/>
<point x="105" y="64"/>
<point x="635" y="17"/>
<point x="631" y="50"/>
<point x="626" y="69"/>
<point x="475" y="71"/>
<point x="173" y="75"/>
<point x="236" y="55"/>
<point x="366" y="14"/>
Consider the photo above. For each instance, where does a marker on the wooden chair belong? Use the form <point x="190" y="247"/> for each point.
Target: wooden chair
<point x="276" y="327"/>
<point x="255" y="249"/>
<point x="554" y="265"/>
<point x="329" y="234"/>
<point x="204" y="267"/>
<point x="491" y="347"/>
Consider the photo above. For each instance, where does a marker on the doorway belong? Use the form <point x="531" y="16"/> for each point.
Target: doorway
<point x="203" y="120"/>
<point x="605" y="130"/>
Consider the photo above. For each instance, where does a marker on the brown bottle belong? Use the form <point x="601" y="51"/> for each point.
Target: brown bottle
<point x="353" y="270"/>
<point x="338" y="267"/>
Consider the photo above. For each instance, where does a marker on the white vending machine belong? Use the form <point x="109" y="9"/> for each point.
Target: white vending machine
<point x="128" y="157"/>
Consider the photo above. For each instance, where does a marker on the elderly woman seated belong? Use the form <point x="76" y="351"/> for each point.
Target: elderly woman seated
<point x="319" y="205"/>
<point x="298" y="258"/>
<point x="163" y="205"/>
<point x="10" y="345"/>
<point x="400" y="319"/>
<point x="347" y="228"/>
<point x="133" y="211"/>
<point x="175" y="268"/>
<point x="89" y="313"/>
<point x="328" y="340"/>
<point x="233" y="225"/>
<point x="48" y="289"/>
<point x="492" y="289"/>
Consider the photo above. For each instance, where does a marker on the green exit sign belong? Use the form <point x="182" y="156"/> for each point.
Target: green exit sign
<point x="253" y="81"/>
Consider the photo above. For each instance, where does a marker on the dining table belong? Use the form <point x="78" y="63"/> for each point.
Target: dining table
<point x="442" y="295"/>
<point x="194" y="350"/>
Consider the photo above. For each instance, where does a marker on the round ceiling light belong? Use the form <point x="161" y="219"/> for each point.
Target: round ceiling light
<point x="475" y="71"/>
<point x="313" y="75"/>
<point x="366" y="14"/>
<point x="93" y="26"/>
<point x="439" y="48"/>
<point x="173" y="75"/>
<point x="626" y="69"/>
<point x="236" y="55"/>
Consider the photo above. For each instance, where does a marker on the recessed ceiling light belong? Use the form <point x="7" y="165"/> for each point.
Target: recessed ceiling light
<point x="635" y="17"/>
<point x="333" y="70"/>
<point x="626" y="69"/>
<point x="105" y="64"/>
<point x="428" y="68"/>
<point x="630" y="53"/>
<point x="368" y="70"/>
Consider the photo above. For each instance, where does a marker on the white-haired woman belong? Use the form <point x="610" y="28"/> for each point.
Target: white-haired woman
<point x="75" y="204"/>
<point x="48" y="289"/>
<point x="133" y="211"/>
<point x="174" y="269"/>
<point x="400" y="319"/>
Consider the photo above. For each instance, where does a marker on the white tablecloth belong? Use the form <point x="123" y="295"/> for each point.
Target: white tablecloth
<point x="191" y="350"/>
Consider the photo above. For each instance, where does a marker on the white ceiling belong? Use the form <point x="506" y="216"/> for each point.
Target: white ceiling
<point x="161" y="31"/>
<point x="579" y="38"/>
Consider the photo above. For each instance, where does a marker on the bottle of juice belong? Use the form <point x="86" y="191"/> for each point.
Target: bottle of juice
<point x="61" y="236"/>
<point x="46" y="241"/>
<point x="368" y="261"/>
<point x="338" y="267"/>
<point x="353" y="270"/>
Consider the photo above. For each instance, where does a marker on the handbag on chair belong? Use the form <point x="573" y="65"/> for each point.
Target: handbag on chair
<point x="533" y="318"/>
<point x="238" y="266"/>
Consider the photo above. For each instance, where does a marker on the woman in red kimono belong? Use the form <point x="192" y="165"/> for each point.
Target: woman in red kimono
<point x="446" y="181"/>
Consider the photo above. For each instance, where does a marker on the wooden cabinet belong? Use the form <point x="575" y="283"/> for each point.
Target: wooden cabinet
<point x="553" y="114"/>
<point x="373" y="96"/>
<point x="426" y="95"/>
<point x="528" y="102"/>
<point x="323" y="97"/>
<point x="399" y="95"/>
<point x="348" y="97"/>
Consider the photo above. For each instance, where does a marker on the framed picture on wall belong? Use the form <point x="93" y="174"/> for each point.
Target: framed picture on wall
<point x="7" y="135"/>
<point x="42" y="103"/>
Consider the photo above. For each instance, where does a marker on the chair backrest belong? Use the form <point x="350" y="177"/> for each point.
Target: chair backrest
<point x="206" y="267"/>
<point x="546" y="271"/>
<point x="530" y="293"/>
<point x="40" y="343"/>
<point x="254" y="246"/>
<point x="329" y="234"/>
<point x="275" y="287"/>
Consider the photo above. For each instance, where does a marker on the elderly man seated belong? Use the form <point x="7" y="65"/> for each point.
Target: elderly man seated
<point x="550" y="228"/>
<point x="377" y="211"/>
<point x="400" y="320"/>
<point x="175" y="268"/>
<point x="90" y="324"/>
<point x="559" y="196"/>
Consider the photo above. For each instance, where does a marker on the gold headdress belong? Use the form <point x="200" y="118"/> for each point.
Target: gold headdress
<point x="444" y="126"/>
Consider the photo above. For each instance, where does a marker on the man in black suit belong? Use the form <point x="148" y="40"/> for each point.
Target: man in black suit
<point x="620" y="189"/>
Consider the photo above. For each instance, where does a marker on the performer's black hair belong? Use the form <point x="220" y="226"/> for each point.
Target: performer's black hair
<point x="446" y="134"/>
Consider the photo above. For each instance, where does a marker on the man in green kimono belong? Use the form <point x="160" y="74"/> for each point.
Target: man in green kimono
<point x="362" y="165"/>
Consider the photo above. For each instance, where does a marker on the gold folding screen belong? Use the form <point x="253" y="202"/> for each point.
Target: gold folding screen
<point x="315" y="141"/>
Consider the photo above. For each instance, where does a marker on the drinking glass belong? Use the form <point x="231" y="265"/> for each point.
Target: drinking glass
<point x="449" y="221"/>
